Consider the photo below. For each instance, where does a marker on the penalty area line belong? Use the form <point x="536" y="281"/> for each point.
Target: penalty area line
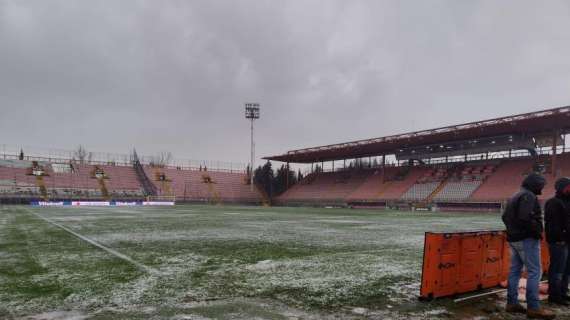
<point x="117" y="254"/>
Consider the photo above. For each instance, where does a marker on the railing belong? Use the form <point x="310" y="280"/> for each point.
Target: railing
<point x="101" y="158"/>
<point x="148" y="186"/>
<point x="493" y="156"/>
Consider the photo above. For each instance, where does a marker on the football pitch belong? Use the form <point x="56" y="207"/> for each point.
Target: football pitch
<point x="219" y="262"/>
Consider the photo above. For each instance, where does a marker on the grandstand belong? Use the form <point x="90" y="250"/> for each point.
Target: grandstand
<point x="201" y="185"/>
<point x="33" y="178"/>
<point x="473" y="166"/>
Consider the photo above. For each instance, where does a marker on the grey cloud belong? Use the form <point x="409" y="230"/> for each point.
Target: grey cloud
<point x="173" y="75"/>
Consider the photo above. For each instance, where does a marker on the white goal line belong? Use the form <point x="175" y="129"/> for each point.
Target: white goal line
<point x="117" y="254"/>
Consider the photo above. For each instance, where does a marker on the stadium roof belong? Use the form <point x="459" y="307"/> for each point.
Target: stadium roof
<point x="533" y="123"/>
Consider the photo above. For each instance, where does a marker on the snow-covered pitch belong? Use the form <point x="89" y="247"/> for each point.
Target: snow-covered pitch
<point x="216" y="262"/>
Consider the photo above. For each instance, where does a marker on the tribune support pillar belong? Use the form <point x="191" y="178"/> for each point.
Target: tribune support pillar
<point x="383" y="167"/>
<point x="287" y="177"/>
<point x="553" y="164"/>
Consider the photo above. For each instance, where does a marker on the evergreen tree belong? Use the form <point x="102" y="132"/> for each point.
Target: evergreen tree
<point x="284" y="178"/>
<point x="274" y="182"/>
<point x="263" y="177"/>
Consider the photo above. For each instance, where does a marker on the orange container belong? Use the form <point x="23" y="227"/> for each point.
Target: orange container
<point x="463" y="262"/>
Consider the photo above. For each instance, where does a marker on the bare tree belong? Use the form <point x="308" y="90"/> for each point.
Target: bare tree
<point x="81" y="154"/>
<point x="162" y="159"/>
<point x="167" y="158"/>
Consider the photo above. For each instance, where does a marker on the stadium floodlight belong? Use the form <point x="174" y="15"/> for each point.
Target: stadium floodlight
<point x="252" y="113"/>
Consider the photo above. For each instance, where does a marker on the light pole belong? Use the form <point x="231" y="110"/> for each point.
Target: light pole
<point x="251" y="113"/>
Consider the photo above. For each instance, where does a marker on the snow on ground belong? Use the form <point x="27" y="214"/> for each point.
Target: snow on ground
<point x="58" y="315"/>
<point x="216" y="262"/>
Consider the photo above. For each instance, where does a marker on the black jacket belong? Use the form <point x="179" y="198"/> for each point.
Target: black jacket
<point x="523" y="215"/>
<point x="566" y="202"/>
<point x="555" y="220"/>
<point x="557" y="213"/>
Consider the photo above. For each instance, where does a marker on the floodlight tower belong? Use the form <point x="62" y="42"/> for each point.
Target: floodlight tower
<point x="252" y="113"/>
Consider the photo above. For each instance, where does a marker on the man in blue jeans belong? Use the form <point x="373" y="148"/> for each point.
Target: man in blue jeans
<point x="523" y="219"/>
<point x="556" y="225"/>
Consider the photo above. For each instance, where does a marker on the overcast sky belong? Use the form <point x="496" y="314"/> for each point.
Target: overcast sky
<point x="173" y="75"/>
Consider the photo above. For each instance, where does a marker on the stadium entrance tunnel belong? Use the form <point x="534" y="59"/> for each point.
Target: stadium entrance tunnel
<point x="464" y="262"/>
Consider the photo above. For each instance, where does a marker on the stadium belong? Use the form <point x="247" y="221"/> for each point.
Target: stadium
<point x="474" y="166"/>
<point x="466" y="167"/>
<point x="88" y="247"/>
<point x="284" y="160"/>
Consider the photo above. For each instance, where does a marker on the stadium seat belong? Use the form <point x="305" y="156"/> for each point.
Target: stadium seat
<point x="190" y="185"/>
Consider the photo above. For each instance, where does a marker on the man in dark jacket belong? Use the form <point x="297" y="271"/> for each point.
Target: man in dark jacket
<point x="563" y="185"/>
<point x="556" y="225"/>
<point x="523" y="219"/>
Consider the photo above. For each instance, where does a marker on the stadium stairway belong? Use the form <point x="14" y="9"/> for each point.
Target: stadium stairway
<point x="72" y="180"/>
<point x="402" y="183"/>
<point x="427" y="185"/>
<point x="420" y="191"/>
<point x="437" y="190"/>
<point x="462" y="182"/>
<point x="397" y="180"/>
<point x="148" y="187"/>
<point x="457" y="190"/>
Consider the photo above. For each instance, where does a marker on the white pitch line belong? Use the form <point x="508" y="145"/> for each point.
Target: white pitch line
<point x="484" y="294"/>
<point x="117" y="254"/>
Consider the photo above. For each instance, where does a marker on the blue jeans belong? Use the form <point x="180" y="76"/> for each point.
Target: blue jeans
<point x="525" y="253"/>
<point x="557" y="269"/>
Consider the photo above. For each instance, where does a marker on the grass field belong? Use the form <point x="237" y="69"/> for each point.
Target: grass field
<point x="216" y="262"/>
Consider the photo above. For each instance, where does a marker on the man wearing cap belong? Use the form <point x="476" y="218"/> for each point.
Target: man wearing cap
<point x="523" y="220"/>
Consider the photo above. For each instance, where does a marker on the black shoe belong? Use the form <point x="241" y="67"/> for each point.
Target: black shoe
<point x="559" y="301"/>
